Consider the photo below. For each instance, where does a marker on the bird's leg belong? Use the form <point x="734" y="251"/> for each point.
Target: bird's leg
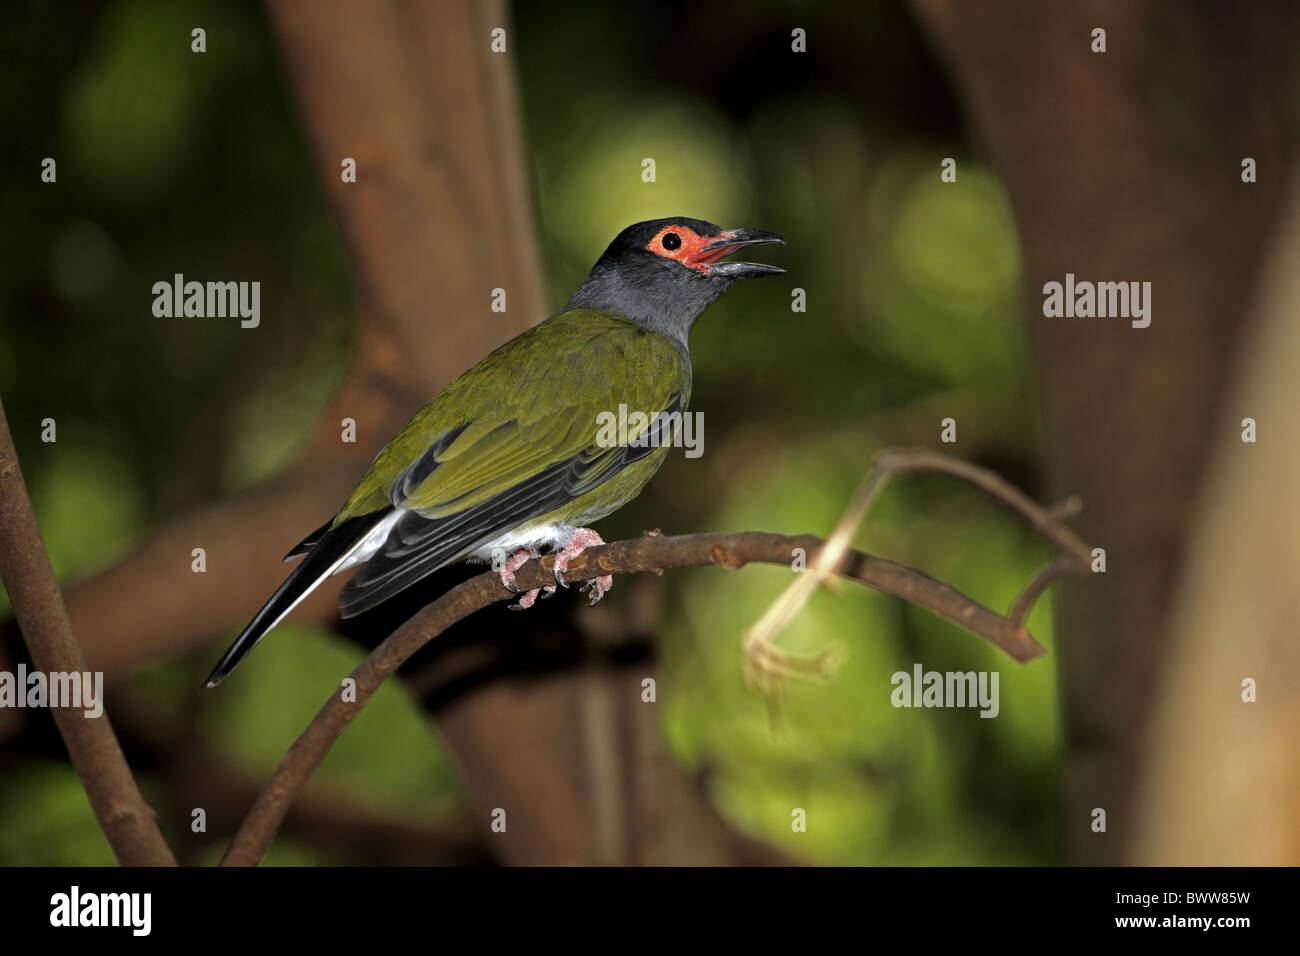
<point x="507" y="573"/>
<point x="580" y="541"/>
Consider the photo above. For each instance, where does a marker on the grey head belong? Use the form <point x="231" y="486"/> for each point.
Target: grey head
<point x="663" y="273"/>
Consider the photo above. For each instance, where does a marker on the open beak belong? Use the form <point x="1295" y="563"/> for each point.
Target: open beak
<point x="725" y="244"/>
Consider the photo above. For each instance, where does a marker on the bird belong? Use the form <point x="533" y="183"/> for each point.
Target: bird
<point x="509" y="459"/>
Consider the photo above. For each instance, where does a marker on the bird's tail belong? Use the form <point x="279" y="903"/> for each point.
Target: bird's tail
<point x="327" y="552"/>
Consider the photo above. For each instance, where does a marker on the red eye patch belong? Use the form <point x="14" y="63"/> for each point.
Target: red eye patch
<point x="689" y="246"/>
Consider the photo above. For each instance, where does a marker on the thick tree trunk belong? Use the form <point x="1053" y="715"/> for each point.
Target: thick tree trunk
<point x="1126" y="165"/>
<point x="1221" y="772"/>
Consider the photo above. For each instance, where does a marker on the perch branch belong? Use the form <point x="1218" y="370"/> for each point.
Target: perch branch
<point x="127" y="820"/>
<point x="652" y="552"/>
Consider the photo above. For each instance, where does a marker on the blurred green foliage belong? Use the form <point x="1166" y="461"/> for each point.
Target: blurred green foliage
<point x="174" y="163"/>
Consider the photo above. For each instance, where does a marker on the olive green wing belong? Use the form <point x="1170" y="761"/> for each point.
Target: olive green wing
<point x="515" y="438"/>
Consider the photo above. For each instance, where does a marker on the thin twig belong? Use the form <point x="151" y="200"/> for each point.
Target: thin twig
<point x="1025" y="602"/>
<point x="127" y="820"/>
<point x="1045" y="521"/>
<point x="651" y="552"/>
<point x="766" y="665"/>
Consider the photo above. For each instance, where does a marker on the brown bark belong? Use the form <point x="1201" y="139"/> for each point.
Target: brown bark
<point x="1221" y="773"/>
<point x="1126" y="165"/>
<point x="126" y="819"/>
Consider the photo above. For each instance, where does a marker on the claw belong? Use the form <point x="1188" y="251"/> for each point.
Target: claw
<point x="581" y="540"/>
<point x="548" y="592"/>
<point x="527" y="601"/>
<point x="507" y="574"/>
<point x="598" y="587"/>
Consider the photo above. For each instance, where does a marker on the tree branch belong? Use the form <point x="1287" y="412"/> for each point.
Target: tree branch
<point x="766" y="665"/>
<point x="655" y="553"/>
<point x="127" y="820"/>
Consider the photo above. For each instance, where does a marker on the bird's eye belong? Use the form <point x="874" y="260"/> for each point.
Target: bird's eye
<point x="671" y="241"/>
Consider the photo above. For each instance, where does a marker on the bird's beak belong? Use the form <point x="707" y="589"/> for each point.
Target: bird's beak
<point x="728" y="242"/>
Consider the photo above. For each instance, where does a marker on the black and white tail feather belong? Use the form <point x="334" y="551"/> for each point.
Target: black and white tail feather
<point x="326" y="551"/>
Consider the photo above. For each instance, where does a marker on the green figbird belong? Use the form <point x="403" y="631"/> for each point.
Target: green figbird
<point x="506" y="459"/>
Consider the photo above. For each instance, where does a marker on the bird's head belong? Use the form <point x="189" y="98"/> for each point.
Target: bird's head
<point x="663" y="273"/>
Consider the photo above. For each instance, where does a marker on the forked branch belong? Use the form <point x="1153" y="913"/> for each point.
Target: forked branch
<point x="766" y="665"/>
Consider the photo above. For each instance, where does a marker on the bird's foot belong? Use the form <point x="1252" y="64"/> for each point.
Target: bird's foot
<point x="598" y="587"/>
<point x="507" y="574"/>
<point x="581" y="540"/>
